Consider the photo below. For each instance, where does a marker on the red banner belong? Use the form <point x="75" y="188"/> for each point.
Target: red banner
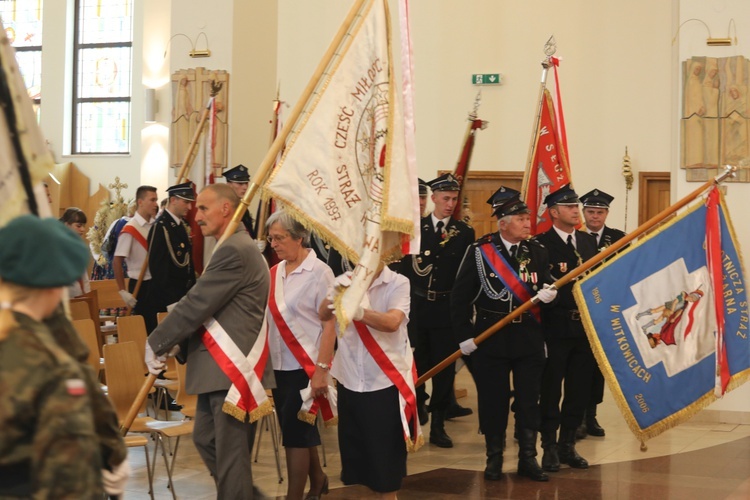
<point x="548" y="170"/>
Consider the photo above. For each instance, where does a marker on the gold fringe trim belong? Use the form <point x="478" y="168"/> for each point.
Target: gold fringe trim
<point x="412" y="446"/>
<point x="332" y="422"/>
<point x="265" y="408"/>
<point x="306" y="417"/>
<point x="644" y="434"/>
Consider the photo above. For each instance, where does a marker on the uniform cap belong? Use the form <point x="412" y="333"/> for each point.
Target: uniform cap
<point x="446" y="182"/>
<point x="41" y="253"/>
<point x="237" y="174"/>
<point x="422" y="187"/>
<point x="507" y="201"/>
<point x="184" y="191"/>
<point x="563" y="196"/>
<point x="596" y="198"/>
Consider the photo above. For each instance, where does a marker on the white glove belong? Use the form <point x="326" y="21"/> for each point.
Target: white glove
<point x="174" y="351"/>
<point x="547" y="294"/>
<point x="359" y="314"/>
<point x="114" y="481"/>
<point x="261" y="245"/>
<point x="343" y="280"/>
<point x="467" y="346"/>
<point x="155" y="365"/>
<point x="128" y="298"/>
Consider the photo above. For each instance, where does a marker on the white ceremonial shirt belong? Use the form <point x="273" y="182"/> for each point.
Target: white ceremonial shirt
<point x="353" y="365"/>
<point x="133" y="251"/>
<point x="304" y="291"/>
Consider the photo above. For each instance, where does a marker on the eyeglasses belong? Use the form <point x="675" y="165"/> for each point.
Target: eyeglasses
<point x="277" y="239"/>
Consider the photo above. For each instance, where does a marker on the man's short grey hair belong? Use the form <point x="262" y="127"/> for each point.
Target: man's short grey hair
<point x="296" y="230"/>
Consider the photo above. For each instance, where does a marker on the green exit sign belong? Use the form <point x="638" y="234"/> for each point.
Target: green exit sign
<point x="486" y="79"/>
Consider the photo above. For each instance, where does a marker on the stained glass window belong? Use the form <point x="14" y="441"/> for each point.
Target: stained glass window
<point x="102" y="76"/>
<point x="22" y="20"/>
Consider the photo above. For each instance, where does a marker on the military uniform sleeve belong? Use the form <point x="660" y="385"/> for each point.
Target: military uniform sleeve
<point x="465" y="289"/>
<point x="158" y="255"/>
<point x="65" y="459"/>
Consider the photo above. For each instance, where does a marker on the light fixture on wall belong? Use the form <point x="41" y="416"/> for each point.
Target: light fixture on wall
<point x="152" y="105"/>
<point x="711" y="41"/>
<point x="193" y="51"/>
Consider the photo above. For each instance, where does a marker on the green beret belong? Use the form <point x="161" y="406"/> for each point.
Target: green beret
<point x="41" y="253"/>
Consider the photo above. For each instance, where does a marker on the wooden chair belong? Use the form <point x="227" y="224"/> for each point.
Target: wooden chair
<point x="87" y="332"/>
<point x="91" y="299"/>
<point x="79" y="309"/>
<point x="123" y="364"/>
<point x="188" y="401"/>
<point x="270" y="423"/>
<point x="133" y="329"/>
<point x="109" y="296"/>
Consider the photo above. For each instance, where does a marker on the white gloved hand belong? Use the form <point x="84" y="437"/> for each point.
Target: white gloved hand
<point x="114" y="481"/>
<point x="261" y="245"/>
<point x="359" y="313"/>
<point x="547" y="294"/>
<point x="174" y="351"/>
<point x="343" y="280"/>
<point x="128" y="298"/>
<point x="467" y="347"/>
<point x="155" y="365"/>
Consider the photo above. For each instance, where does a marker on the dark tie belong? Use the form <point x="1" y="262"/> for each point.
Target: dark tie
<point x="595" y="235"/>
<point x="570" y="242"/>
<point x="513" y="249"/>
<point x="439" y="230"/>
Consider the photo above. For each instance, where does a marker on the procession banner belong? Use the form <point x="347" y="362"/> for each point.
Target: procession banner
<point x="344" y="171"/>
<point x="25" y="159"/>
<point x="548" y="171"/>
<point x="657" y="314"/>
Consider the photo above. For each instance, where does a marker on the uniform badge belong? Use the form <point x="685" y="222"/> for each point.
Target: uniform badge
<point x="75" y="387"/>
<point x="563" y="267"/>
<point x="535" y="288"/>
<point x="427" y="253"/>
<point x="533" y="277"/>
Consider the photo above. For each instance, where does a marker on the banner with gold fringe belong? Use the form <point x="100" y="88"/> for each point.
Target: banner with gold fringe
<point x="656" y="320"/>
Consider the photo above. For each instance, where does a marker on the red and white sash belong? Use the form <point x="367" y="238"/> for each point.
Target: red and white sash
<point x="402" y="371"/>
<point x="135" y="231"/>
<point x="246" y="397"/>
<point x="304" y="351"/>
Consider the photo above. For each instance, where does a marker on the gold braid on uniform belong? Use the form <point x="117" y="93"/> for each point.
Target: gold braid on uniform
<point x="503" y="295"/>
<point x="177" y="263"/>
<point x="420" y="272"/>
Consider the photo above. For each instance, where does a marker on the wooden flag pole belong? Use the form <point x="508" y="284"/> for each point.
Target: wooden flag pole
<point x="265" y="206"/>
<point x="265" y="166"/>
<point x="729" y="171"/>
<point x="549" y="49"/>
<point x="264" y="169"/>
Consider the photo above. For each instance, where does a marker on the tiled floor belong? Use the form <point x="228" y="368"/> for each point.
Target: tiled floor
<point x="693" y="461"/>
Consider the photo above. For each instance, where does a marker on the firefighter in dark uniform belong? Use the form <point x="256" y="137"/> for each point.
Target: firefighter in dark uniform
<point x="569" y="355"/>
<point x="170" y="262"/>
<point x="238" y="178"/>
<point x="500" y="272"/>
<point x="595" y="210"/>
<point x="432" y="273"/>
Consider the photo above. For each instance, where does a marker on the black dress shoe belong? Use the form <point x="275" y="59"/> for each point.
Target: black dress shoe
<point x="456" y="411"/>
<point x="171" y="405"/>
<point x="593" y="428"/>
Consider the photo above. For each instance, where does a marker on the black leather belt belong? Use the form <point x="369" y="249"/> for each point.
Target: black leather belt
<point x="430" y="295"/>
<point x="517" y="319"/>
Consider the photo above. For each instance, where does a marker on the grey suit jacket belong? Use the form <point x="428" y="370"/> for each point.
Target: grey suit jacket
<point x="234" y="290"/>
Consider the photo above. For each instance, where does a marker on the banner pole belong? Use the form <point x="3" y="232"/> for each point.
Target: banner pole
<point x="549" y="49"/>
<point x="729" y="171"/>
<point x="268" y="160"/>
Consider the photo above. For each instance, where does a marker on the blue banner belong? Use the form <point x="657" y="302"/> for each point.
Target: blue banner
<point x="650" y="317"/>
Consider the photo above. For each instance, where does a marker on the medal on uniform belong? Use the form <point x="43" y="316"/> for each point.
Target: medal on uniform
<point x="563" y="267"/>
<point x="533" y="277"/>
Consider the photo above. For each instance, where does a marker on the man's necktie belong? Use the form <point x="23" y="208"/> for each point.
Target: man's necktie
<point x="570" y="242"/>
<point x="513" y="249"/>
<point x="439" y="230"/>
<point x="595" y="235"/>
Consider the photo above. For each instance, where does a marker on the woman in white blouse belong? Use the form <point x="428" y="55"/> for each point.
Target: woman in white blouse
<point x="301" y="347"/>
<point x="75" y="219"/>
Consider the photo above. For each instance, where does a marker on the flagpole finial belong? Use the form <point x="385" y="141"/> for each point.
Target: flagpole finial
<point x="550" y="47"/>
<point x="216" y="87"/>
<point x="477" y="101"/>
<point x="729" y="171"/>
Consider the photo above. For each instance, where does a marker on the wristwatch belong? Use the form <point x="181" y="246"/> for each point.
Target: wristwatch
<point x="323" y="365"/>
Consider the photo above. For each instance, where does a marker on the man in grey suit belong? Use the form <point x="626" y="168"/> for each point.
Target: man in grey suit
<point x="233" y="290"/>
